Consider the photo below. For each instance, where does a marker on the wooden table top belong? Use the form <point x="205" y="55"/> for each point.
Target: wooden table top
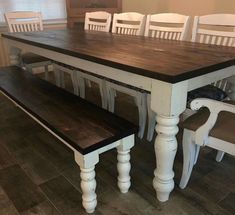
<point x="170" y="61"/>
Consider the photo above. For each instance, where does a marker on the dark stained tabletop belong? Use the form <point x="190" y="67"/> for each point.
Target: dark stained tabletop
<point x="83" y="125"/>
<point x="170" y="61"/>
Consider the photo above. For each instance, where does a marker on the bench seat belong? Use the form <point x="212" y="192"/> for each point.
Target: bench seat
<point x="84" y="127"/>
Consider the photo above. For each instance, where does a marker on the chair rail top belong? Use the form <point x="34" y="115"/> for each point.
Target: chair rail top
<point x="166" y="60"/>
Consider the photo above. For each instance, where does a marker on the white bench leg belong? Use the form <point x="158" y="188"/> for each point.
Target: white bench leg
<point x="88" y="183"/>
<point x="88" y="186"/>
<point x="189" y="151"/>
<point x="123" y="165"/>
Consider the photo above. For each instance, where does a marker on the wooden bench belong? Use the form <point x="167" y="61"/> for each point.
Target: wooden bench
<point x="84" y="127"/>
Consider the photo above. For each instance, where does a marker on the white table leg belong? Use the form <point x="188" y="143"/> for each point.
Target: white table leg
<point x="168" y="101"/>
<point x="165" y="149"/>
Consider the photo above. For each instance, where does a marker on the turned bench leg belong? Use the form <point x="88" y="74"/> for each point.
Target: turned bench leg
<point x="88" y="186"/>
<point x="123" y="165"/>
<point x="88" y="183"/>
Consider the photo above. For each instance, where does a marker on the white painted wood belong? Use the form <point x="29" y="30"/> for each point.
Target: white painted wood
<point x="171" y="26"/>
<point x="123" y="165"/>
<point x="166" y="129"/>
<point x="130" y="23"/>
<point x="163" y="100"/>
<point x="95" y="21"/>
<point x="98" y="21"/>
<point x="189" y="151"/>
<point x="151" y="119"/>
<point x="201" y="137"/>
<point x="26" y="21"/>
<point x="88" y="185"/>
<point x="216" y="29"/>
<point x="140" y="100"/>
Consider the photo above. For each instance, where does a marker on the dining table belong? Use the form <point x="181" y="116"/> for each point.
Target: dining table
<point x="167" y="69"/>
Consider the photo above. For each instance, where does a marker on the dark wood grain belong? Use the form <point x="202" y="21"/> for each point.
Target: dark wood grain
<point x="83" y="125"/>
<point x="170" y="61"/>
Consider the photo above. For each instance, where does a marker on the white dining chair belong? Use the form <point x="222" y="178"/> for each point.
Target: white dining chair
<point x="212" y="126"/>
<point x="27" y="21"/>
<point x="170" y="26"/>
<point x="128" y="24"/>
<point x="215" y="29"/>
<point x="94" y="21"/>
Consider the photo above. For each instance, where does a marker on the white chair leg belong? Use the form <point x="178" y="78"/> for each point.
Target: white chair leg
<point x="151" y="120"/>
<point x="82" y="86"/>
<point x="111" y="93"/>
<point x="46" y="72"/>
<point x="189" y="148"/>
<point x="196" y="154"/>
<point x="141" y="103"/>
<point x="103" y="93"/>
<point x="219" y="156"/>
<point x="88" y="186"/>
<point x="75" y="83"/>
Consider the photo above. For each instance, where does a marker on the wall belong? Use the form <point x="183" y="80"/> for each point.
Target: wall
<point x="188" y="7"/>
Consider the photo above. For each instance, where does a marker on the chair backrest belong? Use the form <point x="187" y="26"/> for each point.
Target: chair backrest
<point x="128" y="23"/>
<point x="170" y="26"/>
<point x="217" y="29"/>
<point x="98" y="21"/>
<point x="24" y="21"/>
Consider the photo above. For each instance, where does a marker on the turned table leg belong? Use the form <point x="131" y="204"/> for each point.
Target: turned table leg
<point x="168" y="101"/>
<point x="165" y="150"/>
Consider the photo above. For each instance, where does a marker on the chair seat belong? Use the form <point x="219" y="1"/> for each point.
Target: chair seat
<point x="224" y="126"/>
<point x="31" y="58"/>
<point x="209" y="92"/>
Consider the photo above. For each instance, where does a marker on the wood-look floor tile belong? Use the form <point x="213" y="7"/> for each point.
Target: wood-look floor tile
<point x="36" y="167"/>
<point x="6" y="159"/>
<point x="20" y="189"/>
<point x="44" y="208"/>
<point x="52" y="149"/>
<point x="228" y="203"/>
<point x="63" y="196"/>
<point x="6" y="206"/>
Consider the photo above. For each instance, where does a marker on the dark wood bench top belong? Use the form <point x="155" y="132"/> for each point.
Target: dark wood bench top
<point x="83" y="125"/>
<point x="166" y="60"/>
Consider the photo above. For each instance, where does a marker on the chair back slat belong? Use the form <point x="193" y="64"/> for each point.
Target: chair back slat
<point x="216" y="29"/>
<point x="169" y="26"/>
<point x="98" y="21"/>
<point x="128" y="23"/>
<point x="24" y="21"/>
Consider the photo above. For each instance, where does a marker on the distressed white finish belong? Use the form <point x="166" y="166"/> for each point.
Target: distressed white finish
<point x="201" y="137"/>
<point x="26" y="22"/>
<point x="98" y="21"/>
<point x="130" y="23"/>
<point x="170" y="26"/>
<point x="167" y="101"/>
<point x="88" y="161"/>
